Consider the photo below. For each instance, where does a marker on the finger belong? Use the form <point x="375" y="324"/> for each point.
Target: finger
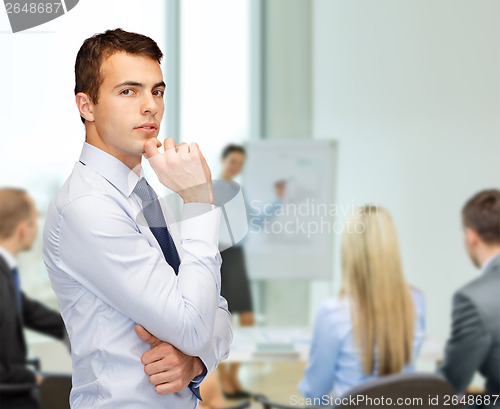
<point x="169" y="143"/>
<point x="151" y="148"/>
<point x="163" y="377"/>
<point x="146" y="335"/>
<point x="170" y="387"/>
<point x="194" y="148"/>
<point x="157" y="353"/>
<point x="183" y="148"/>
<point x="162" y="365"/>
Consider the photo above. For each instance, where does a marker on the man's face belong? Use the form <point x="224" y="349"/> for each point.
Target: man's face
<point x="233" y="163"/>
<point x="130" y="104"/>
<point x="471" y="240"/>
<point x="30" y="228"/>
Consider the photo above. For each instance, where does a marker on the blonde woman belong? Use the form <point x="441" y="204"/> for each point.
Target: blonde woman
<point x="375" y="326"/>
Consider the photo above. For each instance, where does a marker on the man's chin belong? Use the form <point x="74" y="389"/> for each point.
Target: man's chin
<point x="475" y="261"/>
<point x="151" y="138"/>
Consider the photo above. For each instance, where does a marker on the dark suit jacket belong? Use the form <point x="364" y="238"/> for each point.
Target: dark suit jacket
<point x="12" y="343"/>
<point x="474" y="344"/>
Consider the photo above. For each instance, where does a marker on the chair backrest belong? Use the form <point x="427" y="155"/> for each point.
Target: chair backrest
<point x="54" y="391"/>
<point x="241" y="405"/>
<point x="7" y="388"/>
<point x="267" y="404"/>
<point x="422" y="390"/>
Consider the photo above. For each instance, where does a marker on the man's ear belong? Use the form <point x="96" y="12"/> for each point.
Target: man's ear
<point x="21" y="230"/>
<point x="85" y="106"/>
<point x="471" y="236"/>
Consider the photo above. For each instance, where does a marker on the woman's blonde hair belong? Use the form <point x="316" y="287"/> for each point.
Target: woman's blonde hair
<point x="381" y="304"/>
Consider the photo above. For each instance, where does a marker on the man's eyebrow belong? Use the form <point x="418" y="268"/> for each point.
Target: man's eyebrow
<point x="130" y="84"/>
<point x="139" y="84"/>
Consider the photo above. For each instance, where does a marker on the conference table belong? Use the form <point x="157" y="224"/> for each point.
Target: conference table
<point x="250" y="345"/>
<point x="271" y="344"/>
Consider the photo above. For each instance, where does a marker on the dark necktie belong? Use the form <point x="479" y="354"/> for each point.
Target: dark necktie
<point x="17" y="285"/>
<point x="156" y="222"/>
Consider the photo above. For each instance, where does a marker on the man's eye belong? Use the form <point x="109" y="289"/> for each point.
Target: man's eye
<point x="127" y="92"/>
<point x="158" y="93"/>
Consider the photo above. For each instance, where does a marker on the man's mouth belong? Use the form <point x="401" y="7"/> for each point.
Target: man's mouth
<point x="148" y="127"/>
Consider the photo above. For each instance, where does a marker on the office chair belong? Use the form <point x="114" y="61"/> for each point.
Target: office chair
<point x="54" y="391"/>
<point x="414" y="387"/>
<point x="21" y="387"/>
<point x="16" y="387"/>
<point x="267" y="404"/>
<point x="411" y="389"/>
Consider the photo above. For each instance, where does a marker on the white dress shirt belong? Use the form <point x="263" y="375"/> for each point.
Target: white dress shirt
<point x="109" y="273"/>
<point x="8" y="257"/>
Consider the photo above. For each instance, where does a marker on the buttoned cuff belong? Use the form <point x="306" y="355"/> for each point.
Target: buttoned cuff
<point x="200" y="221"/>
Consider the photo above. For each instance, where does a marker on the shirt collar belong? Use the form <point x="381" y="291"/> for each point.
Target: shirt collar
<point x="489" y="262"/>
<point x="8" y="257"/>
<point x="111" y="168"/>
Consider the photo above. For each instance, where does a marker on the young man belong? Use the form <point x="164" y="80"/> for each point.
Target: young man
<point x="474" y="344"/>
<point x="115" y="262"/>
<point x="18" y="230"/>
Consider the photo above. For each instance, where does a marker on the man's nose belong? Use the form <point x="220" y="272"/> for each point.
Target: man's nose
<point x="149" y="105"/>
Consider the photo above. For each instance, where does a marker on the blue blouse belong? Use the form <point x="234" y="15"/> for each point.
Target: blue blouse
<point x="335" y="362"/>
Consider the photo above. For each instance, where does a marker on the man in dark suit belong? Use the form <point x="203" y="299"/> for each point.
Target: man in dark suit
<point x="474" y="344"/>
<point x="18" y="229"/>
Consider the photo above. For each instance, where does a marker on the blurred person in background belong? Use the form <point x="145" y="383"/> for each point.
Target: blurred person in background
<point x="234" y="279"/>
<point x="211" y="390"/>
<point x="474" y="343"/>
<point x="375" y="326"/>
<point x="18" y="230"/>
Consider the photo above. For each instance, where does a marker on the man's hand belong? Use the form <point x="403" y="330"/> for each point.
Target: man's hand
<point x="169" y="370"/>
<point x="182" y="169"/>
<point x="38" y="379"/>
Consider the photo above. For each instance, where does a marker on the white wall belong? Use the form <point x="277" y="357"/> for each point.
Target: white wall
<point x="214" y="75"/>
<point x="41" y="132"/>
<point x="411" y="91"/>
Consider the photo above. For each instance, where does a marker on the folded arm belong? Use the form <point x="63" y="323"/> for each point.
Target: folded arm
<point x="170" y="370"/>
<point x="105" y="251"/>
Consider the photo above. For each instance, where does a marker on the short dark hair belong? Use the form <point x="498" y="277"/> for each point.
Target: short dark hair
<point x="97" y="48"/>
<point x="482" y="214"/>
<point x="15" y="207"/>
<point x="232" y="148"/>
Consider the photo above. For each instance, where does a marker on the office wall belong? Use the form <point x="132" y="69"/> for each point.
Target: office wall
<point x="284" y="73"/>
<point x="411" y="91"/>
<point x="286" y="69"/>
<point x="42" y="134"/>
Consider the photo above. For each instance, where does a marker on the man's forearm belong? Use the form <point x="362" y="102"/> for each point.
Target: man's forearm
<point x="221" y="340"/>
